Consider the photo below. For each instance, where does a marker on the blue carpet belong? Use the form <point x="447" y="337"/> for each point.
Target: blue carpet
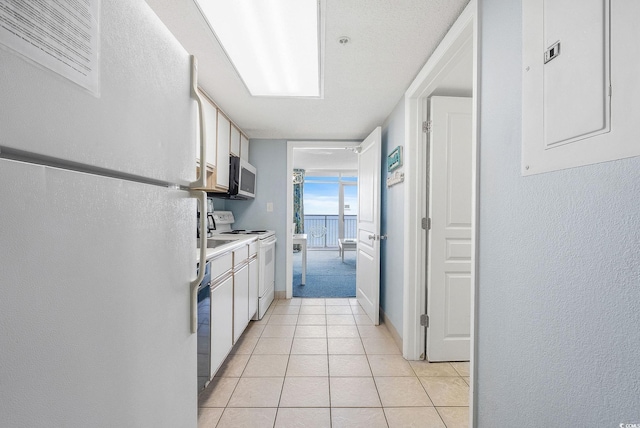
<point x="327" y="276"/>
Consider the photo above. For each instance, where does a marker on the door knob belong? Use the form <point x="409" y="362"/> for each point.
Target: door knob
<point x="372" y="237"/>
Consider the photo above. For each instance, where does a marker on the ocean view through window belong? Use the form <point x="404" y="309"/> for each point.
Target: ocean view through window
<point x="326" y="219"/>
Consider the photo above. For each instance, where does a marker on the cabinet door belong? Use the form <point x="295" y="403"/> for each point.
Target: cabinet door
<point x="244" y="148"/>
<point x="253" y="287"/>
<point x="240" y="302"/>
<point x="234" y="148"/>
<point x="210" y="121"/>
<point x="221" y="323"/>
<point x="222" y="165"/>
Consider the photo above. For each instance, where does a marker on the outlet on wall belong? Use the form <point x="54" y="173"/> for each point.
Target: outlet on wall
<point x="269" y="207"/>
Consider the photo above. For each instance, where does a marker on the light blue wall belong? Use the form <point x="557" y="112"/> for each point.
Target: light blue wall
<point x="559" y="267"/>
<point x="392" y="224"/>
<point x="270" y="159"/>
<point x="219" y="204"/>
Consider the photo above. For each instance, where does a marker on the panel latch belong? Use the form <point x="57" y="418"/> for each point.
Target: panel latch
<point x="552" y="52"/>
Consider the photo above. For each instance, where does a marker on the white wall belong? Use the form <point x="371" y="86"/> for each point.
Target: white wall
<point x="558" y="340"/>
<point x="392" y="224"/>
<point x="270" y="159"/>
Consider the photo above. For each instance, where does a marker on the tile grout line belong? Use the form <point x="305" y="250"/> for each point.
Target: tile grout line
<point x="375" y="384"/>
<point x="284" y="377"/>
<point x="426" y="392"/>
<point x="326" y="331"/>
<point x="328" y="357"/>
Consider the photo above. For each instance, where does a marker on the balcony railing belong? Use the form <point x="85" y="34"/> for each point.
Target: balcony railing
<point x="322" y="230"/>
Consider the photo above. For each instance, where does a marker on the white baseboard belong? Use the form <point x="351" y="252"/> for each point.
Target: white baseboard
<point x="391" y="328"/>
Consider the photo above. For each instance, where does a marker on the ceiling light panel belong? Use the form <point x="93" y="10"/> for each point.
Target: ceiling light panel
<point x="273" y="44"/>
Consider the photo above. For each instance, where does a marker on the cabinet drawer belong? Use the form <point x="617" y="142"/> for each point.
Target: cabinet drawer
<point x="240" y="255"/>
<point x="253" y="248"/>
<point x="220" y="265"/>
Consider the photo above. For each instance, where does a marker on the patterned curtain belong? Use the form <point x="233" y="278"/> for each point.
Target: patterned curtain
<point x="298" y="202"/>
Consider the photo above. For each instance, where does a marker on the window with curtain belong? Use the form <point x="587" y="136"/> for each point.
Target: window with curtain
<point x="298" y="202"/>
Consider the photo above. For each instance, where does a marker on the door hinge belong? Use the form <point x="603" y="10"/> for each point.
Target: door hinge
<point x="426" y="223"/>
<point x="424" y="320"/>
<point x="426" y="126"/>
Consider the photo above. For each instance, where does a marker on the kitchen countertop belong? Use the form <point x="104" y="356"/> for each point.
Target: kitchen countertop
<point x="229" y="245"/>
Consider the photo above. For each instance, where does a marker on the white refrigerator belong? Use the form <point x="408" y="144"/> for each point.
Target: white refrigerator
<point x="97" y="234"/>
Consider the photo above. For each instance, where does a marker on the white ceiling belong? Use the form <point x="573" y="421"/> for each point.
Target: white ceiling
<point x="457" y="83"/>
<point x="363" y="81"/>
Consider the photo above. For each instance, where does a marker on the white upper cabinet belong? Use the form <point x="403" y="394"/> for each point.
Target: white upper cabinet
<point x="222" y="170"/>
<point x="234" y="148"/>
<point x="223" y="139"/>
<point x="210" y="122"/>
<point x="244" y="147"/>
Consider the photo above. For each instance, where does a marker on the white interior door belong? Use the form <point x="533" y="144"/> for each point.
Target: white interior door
<point x="368" y="234"/>
<point x="450" y="210"/>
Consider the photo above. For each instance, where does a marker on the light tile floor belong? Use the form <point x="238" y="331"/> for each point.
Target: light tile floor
<point x="322" y="363"/>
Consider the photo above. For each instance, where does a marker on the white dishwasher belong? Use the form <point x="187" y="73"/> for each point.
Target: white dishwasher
<point x="266" y="273"/>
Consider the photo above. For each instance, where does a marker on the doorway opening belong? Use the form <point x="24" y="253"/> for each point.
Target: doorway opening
<point x="450" y="73"/>
<point x="322" y="214"/>
<point x="325" y="216"/>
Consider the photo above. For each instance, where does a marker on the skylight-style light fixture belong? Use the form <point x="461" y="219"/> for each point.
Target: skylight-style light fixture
<point x="273" y="44"/>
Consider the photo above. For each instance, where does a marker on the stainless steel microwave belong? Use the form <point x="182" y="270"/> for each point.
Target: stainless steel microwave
<point x="242" y="179"/>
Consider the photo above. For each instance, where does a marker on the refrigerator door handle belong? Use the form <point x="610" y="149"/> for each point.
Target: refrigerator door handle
<point x="201" y="181"/>
<point x="202" y="199"/>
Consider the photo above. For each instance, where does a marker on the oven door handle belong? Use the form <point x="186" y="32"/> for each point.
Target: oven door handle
<point x="268" y="242"/>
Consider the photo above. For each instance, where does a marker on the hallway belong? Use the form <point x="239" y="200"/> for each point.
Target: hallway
<point x="321" y="363"/>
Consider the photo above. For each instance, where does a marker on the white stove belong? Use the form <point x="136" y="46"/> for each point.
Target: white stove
<point x="222" y="230"/>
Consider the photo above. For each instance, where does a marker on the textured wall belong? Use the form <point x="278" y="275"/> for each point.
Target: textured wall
<point x="559" y="266"/>
<point x="270" y="159"/>
<point x="392" y="213"/>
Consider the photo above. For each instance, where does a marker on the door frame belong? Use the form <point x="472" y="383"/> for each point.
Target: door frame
<point x="465" y="30"/>
<point x="289" y="235"/>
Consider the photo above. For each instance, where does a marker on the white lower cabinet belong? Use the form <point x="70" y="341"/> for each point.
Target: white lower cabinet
<point x="221" y="322"/>
<point x="253" y="287"/>
<point x="234" y="299"/>
<point x="240" y="301"/>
